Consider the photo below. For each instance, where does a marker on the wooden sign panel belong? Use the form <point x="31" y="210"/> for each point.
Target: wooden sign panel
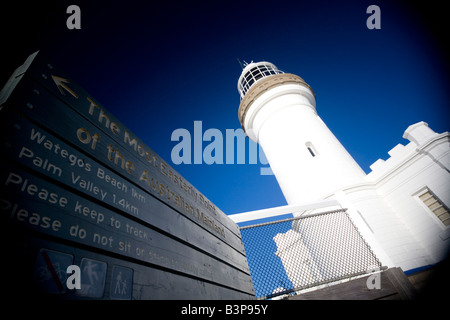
<point x="78" y="188"/>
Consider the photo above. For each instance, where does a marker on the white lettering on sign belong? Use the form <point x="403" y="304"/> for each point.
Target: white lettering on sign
<point x="33" y="218"/>
<point x="88" y="186"/>
<point x="34" y="190"/>
<point x="43" y="140"/>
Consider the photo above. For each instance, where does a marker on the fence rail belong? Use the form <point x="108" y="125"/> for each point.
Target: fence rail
<point x="290" y="255"/>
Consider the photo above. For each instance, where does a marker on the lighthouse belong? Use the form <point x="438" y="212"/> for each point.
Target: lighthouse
<point x="278" y="111"/>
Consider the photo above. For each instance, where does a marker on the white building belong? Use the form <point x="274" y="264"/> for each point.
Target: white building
<point x="400" y="207"/>
<point x="412" y="190"/>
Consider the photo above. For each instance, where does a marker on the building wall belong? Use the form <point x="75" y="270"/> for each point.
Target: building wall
<point x="423" y="163"/>
<point x="388" y="228"/>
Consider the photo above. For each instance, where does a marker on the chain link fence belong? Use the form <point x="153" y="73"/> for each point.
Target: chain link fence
<point x="289" y="255"/>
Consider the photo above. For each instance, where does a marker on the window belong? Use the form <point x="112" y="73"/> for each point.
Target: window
<point x="436" y="206"/>
<point x="261" y="70"/>
<point x="311" y="149"/>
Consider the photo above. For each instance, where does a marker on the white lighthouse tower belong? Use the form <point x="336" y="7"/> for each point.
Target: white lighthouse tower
<point x="278" y="111"/>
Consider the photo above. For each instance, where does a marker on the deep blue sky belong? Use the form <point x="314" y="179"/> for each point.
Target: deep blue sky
<point x="159" y="67"/>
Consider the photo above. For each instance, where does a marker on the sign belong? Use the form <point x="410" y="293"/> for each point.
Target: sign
<point x="107" y="186"/>
<point x="157" y="181"/>
<point x="120" y="283"/>
<point x="38" y="205"/>
<point x="75" y="176"/>
<point x="50" y="270"/>
<point x="93" y="277"/>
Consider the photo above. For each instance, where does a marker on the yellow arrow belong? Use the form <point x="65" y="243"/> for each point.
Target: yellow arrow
<point x="61" y="83"/>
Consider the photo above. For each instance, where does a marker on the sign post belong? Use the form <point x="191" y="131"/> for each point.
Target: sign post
<point x="77" y="185"/>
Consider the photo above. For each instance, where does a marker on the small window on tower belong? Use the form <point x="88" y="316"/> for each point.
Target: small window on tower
<point x="311" y="149"/>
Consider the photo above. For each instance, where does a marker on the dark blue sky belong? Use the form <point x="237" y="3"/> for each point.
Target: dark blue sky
<point x="160" y="67"/>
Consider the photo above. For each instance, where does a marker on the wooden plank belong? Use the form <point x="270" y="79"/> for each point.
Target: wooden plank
<point x="73" y="172"/>
<point x="36" y="204"/>
<point x="402" y="284"/>
<point x="69" y="125"/>
<point x="15" y="78"/>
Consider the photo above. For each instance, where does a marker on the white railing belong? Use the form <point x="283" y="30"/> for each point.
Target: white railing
<point x="277" y="211"/>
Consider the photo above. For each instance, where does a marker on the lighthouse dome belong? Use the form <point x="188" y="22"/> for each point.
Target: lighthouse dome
<point x="254" y="72"/>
